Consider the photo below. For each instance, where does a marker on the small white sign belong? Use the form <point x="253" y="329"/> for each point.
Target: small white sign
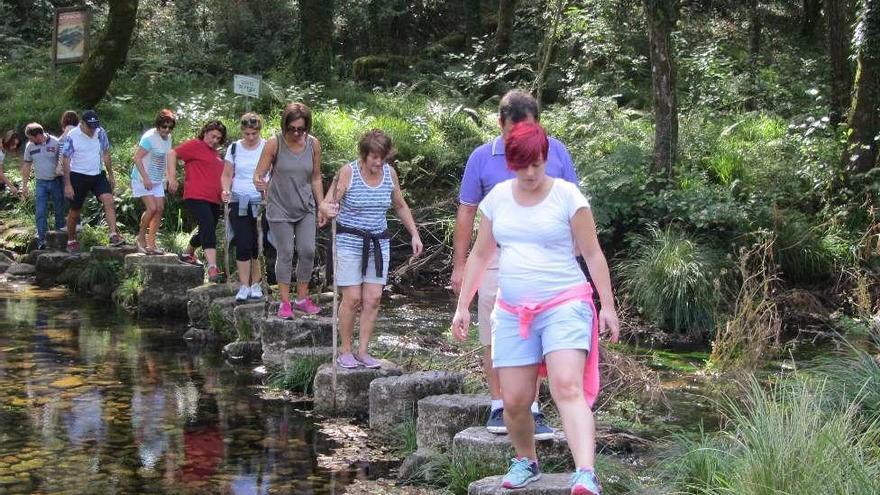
<point x="247" y="85"/>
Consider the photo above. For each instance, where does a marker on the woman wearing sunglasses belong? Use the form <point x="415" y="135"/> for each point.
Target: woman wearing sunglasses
<point x="148" y="178"/>
<point x="244" y="203"/>
<point x="294" y="159"/>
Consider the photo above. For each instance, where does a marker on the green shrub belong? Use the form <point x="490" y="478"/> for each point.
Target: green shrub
<point x="805" y="251"/>
<point x="98" y="276"/>
<point x="299" y="376"/>
<point x="852" y="377"/>
<point x="781" y="440"/>
<point x="673" y="279"/>
<point x="404" y="438"/>
<point x="126" y="295"/>
<point x="219" y="323"/>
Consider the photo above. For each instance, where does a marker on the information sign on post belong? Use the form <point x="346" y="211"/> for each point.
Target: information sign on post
<point x="70" y="35"/>
<point x="247" y="86"/>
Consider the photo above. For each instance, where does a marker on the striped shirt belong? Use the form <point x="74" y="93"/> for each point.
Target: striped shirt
<point x="364" y="207"/>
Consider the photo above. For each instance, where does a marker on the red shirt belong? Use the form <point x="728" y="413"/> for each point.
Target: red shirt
<point x="202" y="168"/>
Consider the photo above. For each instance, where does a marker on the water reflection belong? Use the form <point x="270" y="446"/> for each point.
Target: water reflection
<point x="91" y="402"/>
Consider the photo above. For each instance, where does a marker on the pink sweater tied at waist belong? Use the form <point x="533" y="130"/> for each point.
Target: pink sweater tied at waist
<point x="528" y="312"/>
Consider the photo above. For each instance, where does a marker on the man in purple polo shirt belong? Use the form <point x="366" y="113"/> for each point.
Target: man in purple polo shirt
<point x="485" y="168"/>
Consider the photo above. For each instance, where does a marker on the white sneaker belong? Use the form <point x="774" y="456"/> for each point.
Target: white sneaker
<point x="243" y="293"/>
<point x="256" y="291"/>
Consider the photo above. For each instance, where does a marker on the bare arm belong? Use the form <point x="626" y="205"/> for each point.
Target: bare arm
<point x="226" y="181"/>
<point x="405" y="215"/>
<point x="108" y="165"/>
<point x="339" y="186"/>
<point x="264" y="166"/>
<point x="584" y="227"/>
<point x="138" y="158"/>
<point x="317" y="179"/>
<point x="461" y="241"/>
<point x="9" y="184"/>
<point x="171" y="170"/>
<point x="68" y="187"/>
<point x="480" y="257"/>
<point x="25" y="176"/>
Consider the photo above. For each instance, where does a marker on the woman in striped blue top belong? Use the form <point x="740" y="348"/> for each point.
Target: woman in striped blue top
<point x="359" y="199"/>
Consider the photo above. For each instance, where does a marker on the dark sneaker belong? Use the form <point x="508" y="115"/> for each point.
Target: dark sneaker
<point x="116" y="240"/>
<point x="72" y="247"/>
<point x="41" y="245"/>
<point x="188" y="259"/>
<point x="542" y="431"/>
<point x="495" y="424"/>
<point x="522" y="472"/>
<point x="584" y="482"/>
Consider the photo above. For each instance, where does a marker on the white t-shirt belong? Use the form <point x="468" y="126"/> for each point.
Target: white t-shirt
<point x="85" y="152"/>
<point x="537" y="258"/>
<point x="245" y="163"/>
<point x="154" y="161"/>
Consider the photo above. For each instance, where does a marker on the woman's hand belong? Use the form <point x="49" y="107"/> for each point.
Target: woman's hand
<point x="328" y="209"/>
<point x="172" y="185"/>
<point x="322" y="219"/>
<point x="461" y="324"/>
<point x="148" y="184"/>
<point x="608" y="324"/>
<point x="225" y="196"/>
<point x="259" y="183"/>
<point x="417" y="246"/>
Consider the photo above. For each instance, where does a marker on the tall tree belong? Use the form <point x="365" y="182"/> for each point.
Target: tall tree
<point x="545" y="51"/>
<point x="811" y="19"/>
<point x="316" y="39"/>
<point x="864" y="123"/>
<point x="837" y="37"/>
<point x="755" y="27"/>
<point x="108" y="55"/>
<point x="662" y="15"/>
<point x="506" y="11"/>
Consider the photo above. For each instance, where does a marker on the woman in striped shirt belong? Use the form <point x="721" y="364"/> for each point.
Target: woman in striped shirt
<point x="359" y="199"/>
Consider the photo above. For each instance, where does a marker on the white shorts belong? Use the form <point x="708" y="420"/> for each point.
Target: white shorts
<point x="138" y="190"/>
<point x="349" y="271"/>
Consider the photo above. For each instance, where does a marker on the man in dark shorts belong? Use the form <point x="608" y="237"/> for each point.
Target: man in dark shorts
<point x="85" y="150"/>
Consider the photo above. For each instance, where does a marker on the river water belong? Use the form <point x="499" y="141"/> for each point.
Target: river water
<point x="94" y="402"/>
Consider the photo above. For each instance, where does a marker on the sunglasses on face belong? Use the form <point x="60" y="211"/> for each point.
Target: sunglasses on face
<point x="296" y="130"/>
<point x="167" y="126"/>
<point x="252" y="122"/>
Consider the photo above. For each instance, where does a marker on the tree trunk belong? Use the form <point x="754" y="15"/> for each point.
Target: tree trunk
<point x="474" y="21"/>
<point x="108" y="54"/>
<point x="316" y="39"/>
<point x="506" y="11"/>
<point x="662" y="17"/>
<point x="838" y="36"/>
<point x="863" y="120"/>
<point x="545" y="53"/>
<point x="811" y="20"/>
<point x="755" y="27"/>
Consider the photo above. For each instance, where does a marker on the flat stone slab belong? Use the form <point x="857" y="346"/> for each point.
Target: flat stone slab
<point x="393" y="400"/>
<point x="548" y="484"/>
<point x="352" y="388"/>
<point x="137" y="259"/>
<point x="3" y="266"/>
<point x="243" y="351"/>
<point x="412" y="468"/>
<point x="322" y="354"/>
<point x="50" y="265"/>
<point x="199" y="299"/>
<point x="442" y="416"/>
<point x="31" y="257"/>
<point x="56" y="240"/>
<point x="278" y="335"/>
<point x="165" y="287"/>
<point x="199" y="335"/>
<point x="477" y="440"/>
<point x="110" y="253"/>
<point x="21" y="269"/>
<point x="246" y="317"/>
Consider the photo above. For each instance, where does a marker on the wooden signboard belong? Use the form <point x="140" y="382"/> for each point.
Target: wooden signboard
<point x="70" y="36"/>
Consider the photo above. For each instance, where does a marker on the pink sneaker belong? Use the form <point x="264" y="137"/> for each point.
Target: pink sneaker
<point x="284" y="311"/>
<point x="306" y="306"/>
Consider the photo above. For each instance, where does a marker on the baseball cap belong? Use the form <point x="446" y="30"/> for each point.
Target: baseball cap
<point x="90" y="117"/>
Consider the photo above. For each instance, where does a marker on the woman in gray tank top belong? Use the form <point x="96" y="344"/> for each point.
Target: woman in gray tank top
<point x="293" y="157"/>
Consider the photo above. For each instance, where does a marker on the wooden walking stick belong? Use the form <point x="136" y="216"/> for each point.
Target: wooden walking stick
<point x="335" y="306"/>
<point x="226" y="240"/>
<point x="261" y="255"/>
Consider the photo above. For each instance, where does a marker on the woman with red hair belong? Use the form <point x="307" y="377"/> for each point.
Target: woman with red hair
<point x="544" y="313"/>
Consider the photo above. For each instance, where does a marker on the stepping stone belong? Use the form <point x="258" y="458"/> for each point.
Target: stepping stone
<point x="164" y="288"/>
<point x="549" y="484"/>
<point x="110" y="253"/>
<point x="220" y="318"/>
<point x="247" y="318"/>
<point x="243" y="351"/>
<point x="199" y="335"/>
<point x="21" y="270"/>
<point x="56" y="240"/>
<point x="278" y="335"/>
<point x="322" y="354"/>
<point x="199" y="299"/>
<point x="352" y="388"/>
<point x="31" y="257"/>
<point x="442" y="416"/>
<point x="135" y="260"/>
<point x="50" y="265"/>
<point x="3" y="266"/>
<point x="6" y="256"/>
<point x="412" y="468"/>
<point x="478" y="441"/>
<point x="393" y="399"/>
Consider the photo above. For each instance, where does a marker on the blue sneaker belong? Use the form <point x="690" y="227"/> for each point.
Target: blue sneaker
<point x="495" y="424"/>
<point x="542" y="431"/>
<point x="584" y="482"/>
<point x="522" y="472"/>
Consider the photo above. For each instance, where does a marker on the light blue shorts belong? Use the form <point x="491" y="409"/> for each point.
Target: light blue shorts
<point x="568" y="326"/>
<point x="349" y="272"/>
